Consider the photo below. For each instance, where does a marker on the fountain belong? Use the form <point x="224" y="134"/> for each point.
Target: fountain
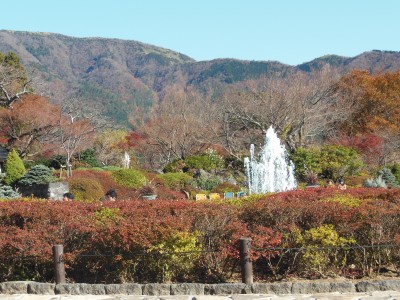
<point x="273" y="172"/>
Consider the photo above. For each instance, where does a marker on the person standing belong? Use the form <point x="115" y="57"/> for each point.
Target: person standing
<point x="342" y="186"/>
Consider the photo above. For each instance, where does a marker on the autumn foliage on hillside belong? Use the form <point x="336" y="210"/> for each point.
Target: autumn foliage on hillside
<point x="184" y="241"/>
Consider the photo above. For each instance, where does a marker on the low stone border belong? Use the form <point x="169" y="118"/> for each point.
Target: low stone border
<point x="159" y="289"/>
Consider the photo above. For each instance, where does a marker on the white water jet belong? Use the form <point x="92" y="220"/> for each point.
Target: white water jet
<point x="272" y="172"/>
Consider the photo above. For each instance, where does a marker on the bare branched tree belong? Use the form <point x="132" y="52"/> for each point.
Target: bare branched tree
<point x="77" y="128"/>
<point x="301" y="108"/>
<point x="180" y="125"/>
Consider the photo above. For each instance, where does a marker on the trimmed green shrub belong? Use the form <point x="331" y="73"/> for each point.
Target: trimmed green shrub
<point x="86" y="189"/>
<point x="14" y="168"/>
<point x="89" y="156"/>
<point x="7" y="192"/>
<point x="208" y="162"/>
<point x="175" y="181"/>
<point x="206" y="183"/>
<point x="305" y="160"/>
<point x="175" y="166"/>
<point x="56" y="161"/>
<point x="395" y="168"/>
<point x="129" y="178"/>
<point x="234" y="163"/>
<point x="337" y="161"/>
<point x="39" y="174"/>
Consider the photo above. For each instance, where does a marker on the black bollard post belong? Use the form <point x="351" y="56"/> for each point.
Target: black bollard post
<point x="246" y="264"/>
<point x="59" y="268"/>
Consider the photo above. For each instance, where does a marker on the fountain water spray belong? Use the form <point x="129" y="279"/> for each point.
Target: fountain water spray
<point x="272" y="172"/>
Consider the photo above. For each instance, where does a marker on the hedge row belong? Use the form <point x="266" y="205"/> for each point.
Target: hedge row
<point x="310" y="233"/>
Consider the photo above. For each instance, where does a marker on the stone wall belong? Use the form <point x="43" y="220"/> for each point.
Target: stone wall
<point x="53" y="190"/>
<point x="159" y="289"/>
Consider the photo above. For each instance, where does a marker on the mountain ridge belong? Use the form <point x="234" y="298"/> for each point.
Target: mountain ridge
<point x="117" y="75"/>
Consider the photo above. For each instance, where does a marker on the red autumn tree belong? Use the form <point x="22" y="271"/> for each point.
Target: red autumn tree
<point x="30" y="125"/>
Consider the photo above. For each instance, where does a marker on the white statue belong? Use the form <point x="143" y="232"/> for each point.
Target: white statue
<point x="126" y="161"/>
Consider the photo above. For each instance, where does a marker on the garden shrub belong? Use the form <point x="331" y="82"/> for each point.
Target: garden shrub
<point x="175" y="257"/>
<point x="175" y="181"/>
<point x="14" y="168"/>
<point x="101" y="176"/>
<point x="56" y="161"/>
<point x="204" y="182"/>
<point x="317" y="260"/>
<point x="388" y="177"/>
<point x="107" y="215"/>
<point x="129" y="178"/>
<point x="121" y="241"/>
<point x="225" y="187"/>
<point x="86" y="189"/>
<point x="344" y="199"/>
<point x="89" y="156"/>
<point x="377" y="182"/>
<point x="234" y="163"/>
<point x="147" y="190"/>
<point x="337" y="161"/>
<point x="175" y="166"/>
<point x="7" y="192"/>
<point x="39" y="174"/>
<point x="209" y="161"/>
<point x="111" y="168"/>
<point x="356" y="181"/>
<point x="305" y="160"/>
<point x="395" y="168"/>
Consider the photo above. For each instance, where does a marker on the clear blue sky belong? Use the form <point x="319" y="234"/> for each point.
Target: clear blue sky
<point x="289" y="31"/>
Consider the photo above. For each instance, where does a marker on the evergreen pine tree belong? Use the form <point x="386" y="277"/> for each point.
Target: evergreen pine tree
<point x="14" y="167"/>
<point x="39" y="174"/>
<point x="7" y="192"/>
<point x="388" y="177"/>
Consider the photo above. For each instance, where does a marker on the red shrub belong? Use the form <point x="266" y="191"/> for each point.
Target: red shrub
<point x="103" y="177"/>
<point x="112" y="241"/>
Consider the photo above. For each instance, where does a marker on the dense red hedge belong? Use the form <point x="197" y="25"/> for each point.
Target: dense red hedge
<point x="113" y="241"/>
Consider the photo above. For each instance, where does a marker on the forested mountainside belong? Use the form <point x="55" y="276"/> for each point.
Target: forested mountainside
<point x="118" y="75"/>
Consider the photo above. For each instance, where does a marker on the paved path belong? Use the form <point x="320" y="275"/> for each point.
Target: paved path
<point x="386" y="295"/>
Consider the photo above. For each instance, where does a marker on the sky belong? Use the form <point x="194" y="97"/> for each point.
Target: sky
<point x="288" y="31"/>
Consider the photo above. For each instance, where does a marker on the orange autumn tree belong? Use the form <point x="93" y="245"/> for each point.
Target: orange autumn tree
<point x="375" y="107"/>
<point x="375" y="100"/>
<point x="30" y="125"/>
